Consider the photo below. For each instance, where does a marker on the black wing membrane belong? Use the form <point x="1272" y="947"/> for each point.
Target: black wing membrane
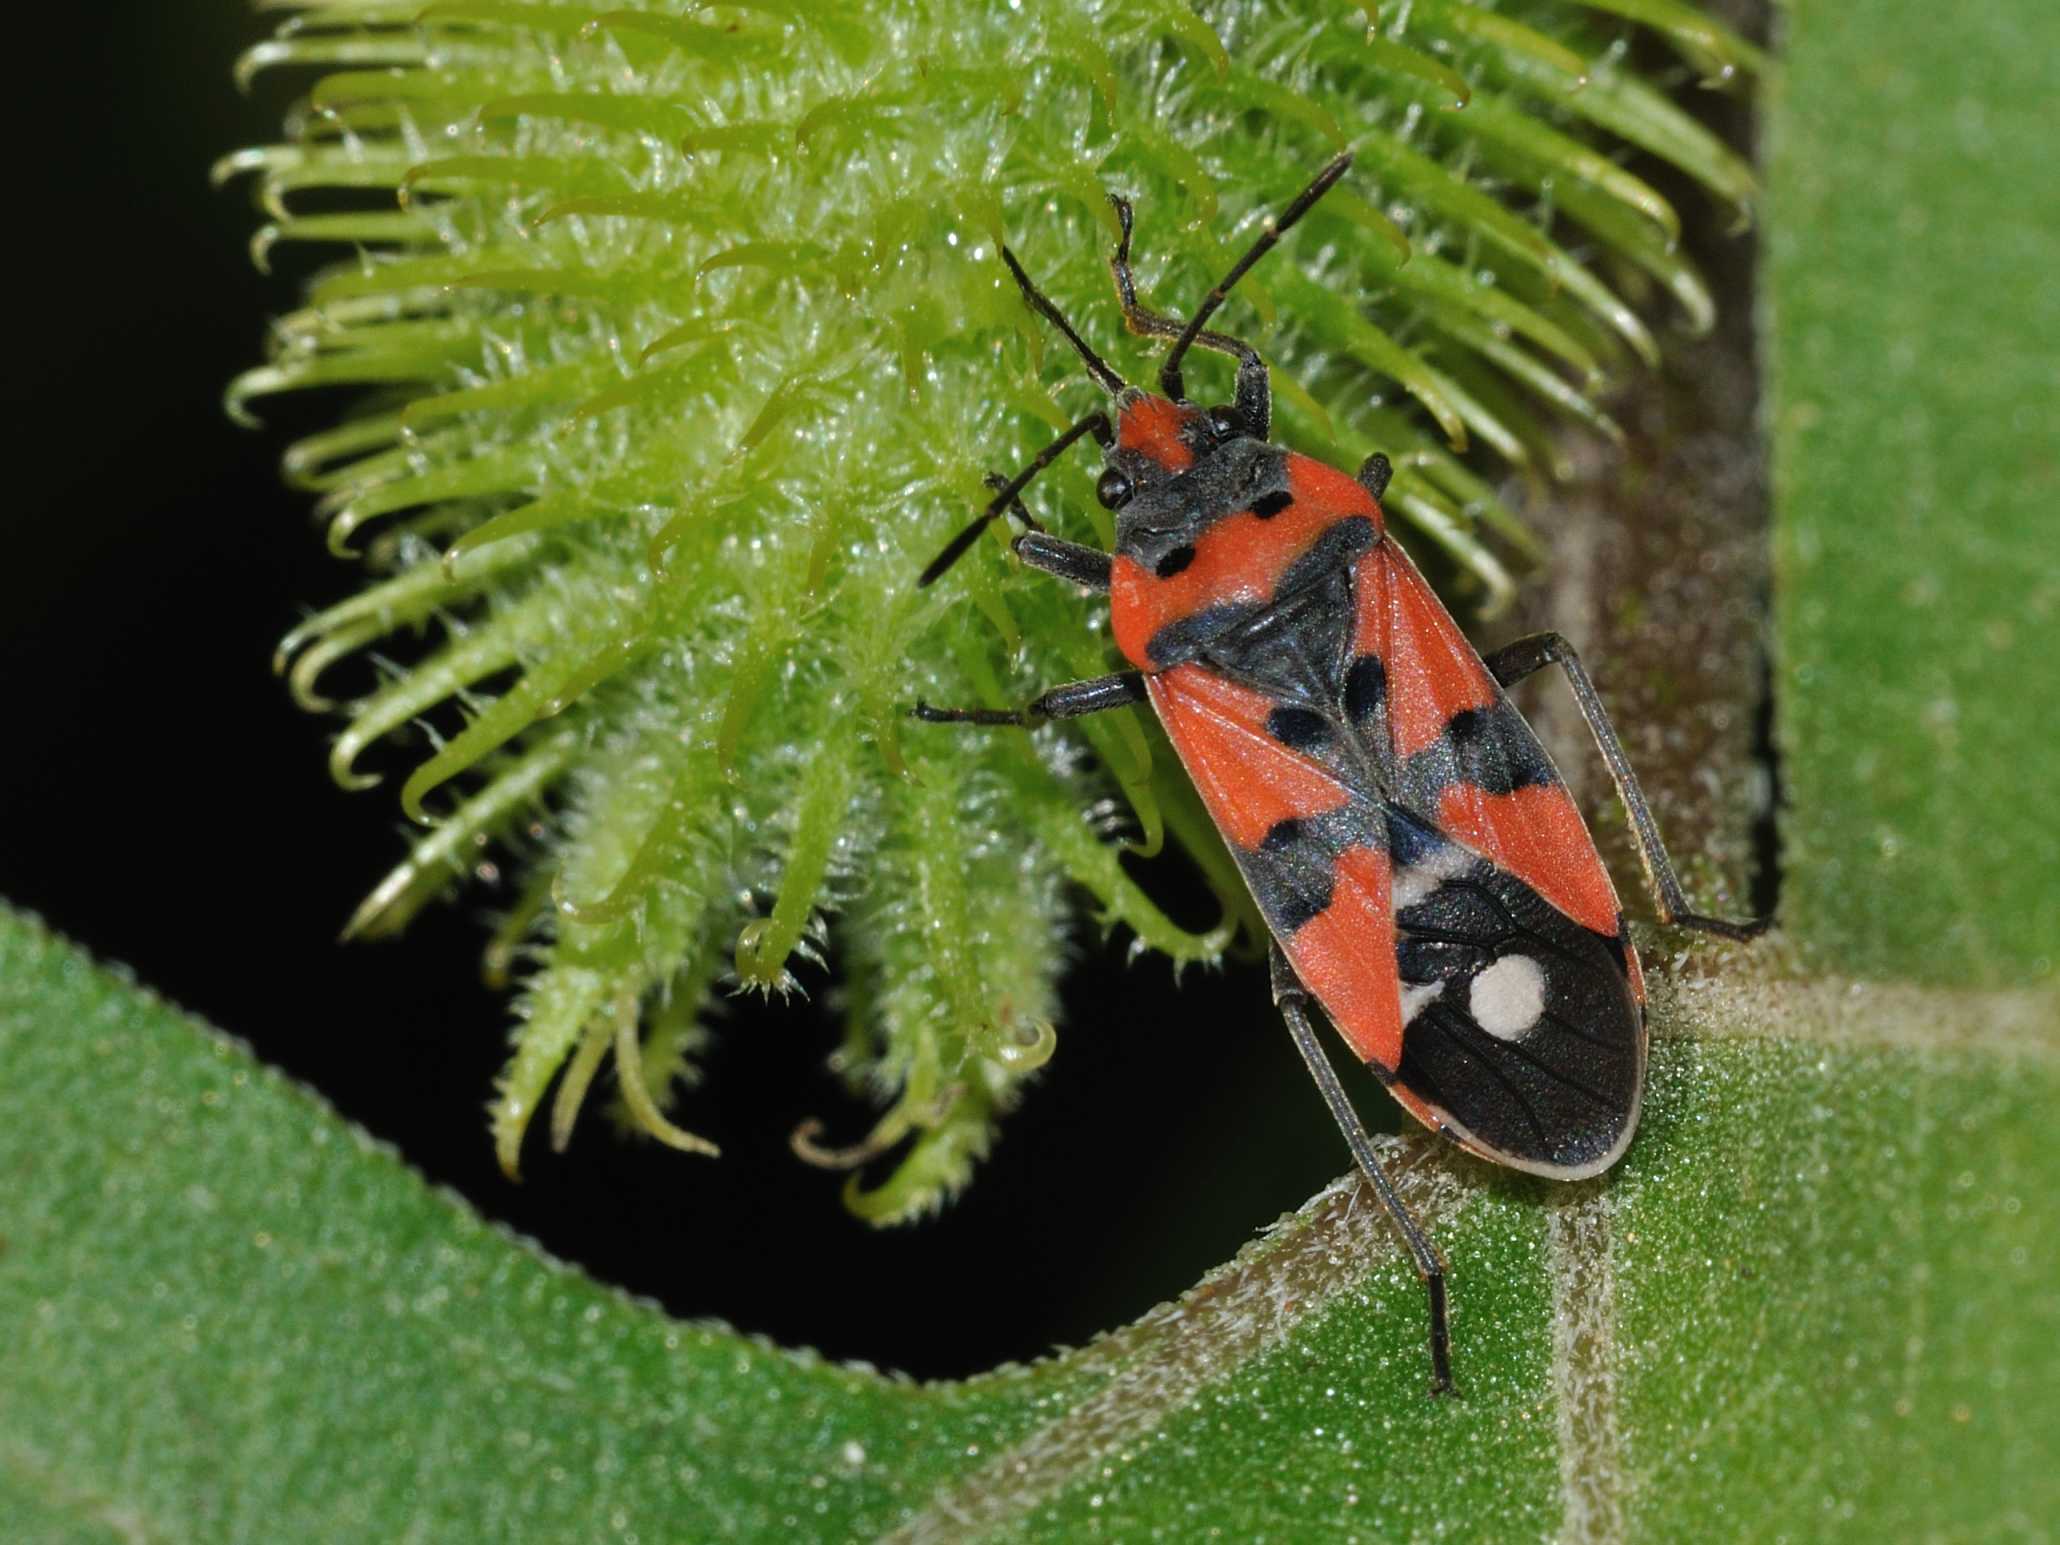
<point x="1520" y="1025"/>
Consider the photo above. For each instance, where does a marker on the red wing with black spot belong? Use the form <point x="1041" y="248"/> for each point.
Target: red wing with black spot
<point x="1415" y="854"/>
<point x="1309" y="842"/>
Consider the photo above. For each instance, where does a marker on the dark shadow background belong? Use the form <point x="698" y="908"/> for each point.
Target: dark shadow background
<point x="167" y="807"/>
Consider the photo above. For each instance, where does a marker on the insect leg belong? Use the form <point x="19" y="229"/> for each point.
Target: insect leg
<point x="1254" y="391"/>
<point x="1070" y="701"/>
<point x="1512" y="664"/>
<point x="1096" y="424"/>
<point x="1374" y="473"/>
<point x="1087" y="567"/>
<point x="1292" y="999"/>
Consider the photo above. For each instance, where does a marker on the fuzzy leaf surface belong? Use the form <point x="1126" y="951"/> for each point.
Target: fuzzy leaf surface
<point x="1822" y="1287"/>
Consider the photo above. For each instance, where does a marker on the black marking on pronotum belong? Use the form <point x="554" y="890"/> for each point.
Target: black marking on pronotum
<point x="1174" y="562"/>
<point x="1366" y="688"/>
<point x="1181" y="641"/>
<point x="1266" y="506"/>
<point x="1169" y="509"/>
<point x="1340" y="543"/>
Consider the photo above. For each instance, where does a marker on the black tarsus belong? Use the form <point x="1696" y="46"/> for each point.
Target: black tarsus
<point x="1291" y="997"/>
<point x="1096" y="424"/>
<point x="1277" y="227"/>
<point x="1512" y="664"/>
<point x="1071" y="701"/>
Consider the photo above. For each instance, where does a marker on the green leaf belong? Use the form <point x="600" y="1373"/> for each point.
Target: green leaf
<point x="1911" y="251"/>
<point x="233" y="1317"/>
<point x="1821" y="1289"/>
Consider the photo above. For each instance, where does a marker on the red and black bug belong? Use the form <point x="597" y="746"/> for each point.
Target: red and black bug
<point x="1426" y="877"/>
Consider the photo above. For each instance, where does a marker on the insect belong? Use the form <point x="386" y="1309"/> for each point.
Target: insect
<point x="1426" y="877"/>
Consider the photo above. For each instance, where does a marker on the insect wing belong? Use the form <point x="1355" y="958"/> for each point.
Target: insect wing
<point x="1523" y="1029"/>
<point x="1309" y="844"/>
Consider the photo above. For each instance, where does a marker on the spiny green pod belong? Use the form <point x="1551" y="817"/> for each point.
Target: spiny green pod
<point x="680" y="341"/>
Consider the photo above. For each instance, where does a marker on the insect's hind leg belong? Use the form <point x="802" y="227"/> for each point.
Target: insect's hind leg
<point x="1527" y="656"/>
<point x="1071" y="701"/>
<point x="1292" y="999"/>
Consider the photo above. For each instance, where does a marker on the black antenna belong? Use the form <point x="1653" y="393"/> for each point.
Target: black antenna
<point x="1275" y="229"/>
<point x="1096" y="424"/>
<point x="1097" y="367"/>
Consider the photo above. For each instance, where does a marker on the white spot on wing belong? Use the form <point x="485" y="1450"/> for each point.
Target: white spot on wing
<point x="1508" y="997"/>
<point x="1415" y="995"/>
<point x="1413" y="882"/>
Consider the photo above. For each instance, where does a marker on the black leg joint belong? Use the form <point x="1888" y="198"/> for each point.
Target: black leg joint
<point x="1087" y="567"/>
<point x="1070" y="701"/>
<point x="1374" y="473"/>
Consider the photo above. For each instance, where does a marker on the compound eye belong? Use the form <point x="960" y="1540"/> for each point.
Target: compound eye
<point x="1113" y="489"/>
<point x="1227" y="422"/>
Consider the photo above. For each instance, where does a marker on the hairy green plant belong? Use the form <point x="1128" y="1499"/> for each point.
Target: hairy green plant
<point x="679" y="340"/>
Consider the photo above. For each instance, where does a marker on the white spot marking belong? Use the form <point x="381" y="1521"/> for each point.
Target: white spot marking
<point x="1508" y="997"/>
<point x="1413" y="882"/>
<point x="1415" y="995"/>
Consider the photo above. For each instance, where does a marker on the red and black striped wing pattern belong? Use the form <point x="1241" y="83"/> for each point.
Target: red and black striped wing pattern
<point x="1309" y="844"/>
<point x="1523" y="1005"/>
<point x="1418" y="859"/>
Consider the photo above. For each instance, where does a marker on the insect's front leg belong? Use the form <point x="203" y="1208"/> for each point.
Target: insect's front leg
<point x="1087" y="567"/>
<point x="1008" y="490"/>
<point x="1070" y="701"/>
<point x="1529" y="655"/>
<point x="1084" y="566"/>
